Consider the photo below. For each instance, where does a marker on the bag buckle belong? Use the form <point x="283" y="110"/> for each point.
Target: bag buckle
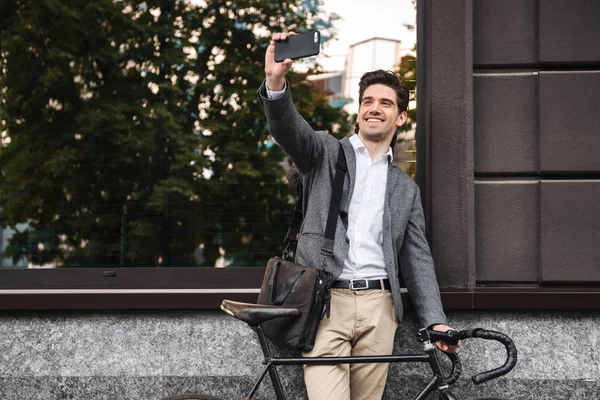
<point x="288" y="251"/>
<point x="359" y="284"/>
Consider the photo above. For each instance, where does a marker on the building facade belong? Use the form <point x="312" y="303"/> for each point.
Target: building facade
<point x="511" y="184"/>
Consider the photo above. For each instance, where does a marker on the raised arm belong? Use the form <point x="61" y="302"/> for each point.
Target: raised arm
<point x="288" y="127"/>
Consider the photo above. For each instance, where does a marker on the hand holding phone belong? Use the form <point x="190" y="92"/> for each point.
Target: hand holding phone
<point x="287" y="46"/>
<point x="297" y="46"/>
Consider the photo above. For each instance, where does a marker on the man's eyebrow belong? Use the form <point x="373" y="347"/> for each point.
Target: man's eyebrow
<point x="383" y="99"/>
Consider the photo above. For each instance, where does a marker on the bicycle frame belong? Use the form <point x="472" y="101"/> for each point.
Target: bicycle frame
<point x="437" y="382"/>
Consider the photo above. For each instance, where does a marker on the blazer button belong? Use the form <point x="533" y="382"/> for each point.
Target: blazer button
<point x="347" y="240"/>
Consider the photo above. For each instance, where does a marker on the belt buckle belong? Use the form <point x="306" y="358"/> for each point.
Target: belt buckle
<point x="363" y="287"/>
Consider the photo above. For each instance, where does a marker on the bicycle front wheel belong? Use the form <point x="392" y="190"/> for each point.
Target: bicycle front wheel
<point x="447" y="395"/>
<point x="193" y="396"/>
<point x="490" y="398"/>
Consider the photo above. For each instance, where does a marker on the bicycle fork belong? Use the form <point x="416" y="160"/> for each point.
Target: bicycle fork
<point x="438" y="379"/>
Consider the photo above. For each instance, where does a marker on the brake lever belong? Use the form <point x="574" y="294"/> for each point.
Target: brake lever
<point x="450" y="337"/>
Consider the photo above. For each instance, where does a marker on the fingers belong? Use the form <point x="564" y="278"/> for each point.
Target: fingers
<point x="445" y="347"/>
<point x="452" y="348"/>
<point x="281" y="36"/>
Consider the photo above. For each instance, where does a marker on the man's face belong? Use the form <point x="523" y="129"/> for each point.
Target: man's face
<point x="378" y="114"/>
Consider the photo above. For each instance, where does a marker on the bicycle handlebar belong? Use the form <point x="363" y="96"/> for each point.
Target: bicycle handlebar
<point x="452" y="337"/>
<point x="511" y="355"/>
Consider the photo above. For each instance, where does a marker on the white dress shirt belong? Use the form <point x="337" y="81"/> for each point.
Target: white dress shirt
<point x="365" y="215"/>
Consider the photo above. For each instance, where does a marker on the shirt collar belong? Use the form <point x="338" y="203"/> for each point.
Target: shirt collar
<point x="360" y="148"/>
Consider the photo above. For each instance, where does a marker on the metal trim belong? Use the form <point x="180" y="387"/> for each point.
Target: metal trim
<point x="482" y="298"/>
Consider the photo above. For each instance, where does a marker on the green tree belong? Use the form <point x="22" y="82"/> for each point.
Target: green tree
<point x="131" y="130"/>
<point x="407" y="70"/>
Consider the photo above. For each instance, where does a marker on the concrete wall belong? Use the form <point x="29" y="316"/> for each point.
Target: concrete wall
<point x="127" y="355"/>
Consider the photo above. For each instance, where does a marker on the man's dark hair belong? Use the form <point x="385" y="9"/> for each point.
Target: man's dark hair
<point x="389" y="79"/>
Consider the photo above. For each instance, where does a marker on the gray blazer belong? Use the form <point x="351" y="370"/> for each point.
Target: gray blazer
<point x="404" y="245"/>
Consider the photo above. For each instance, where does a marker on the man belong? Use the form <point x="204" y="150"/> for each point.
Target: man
<point x="380" y="231"/>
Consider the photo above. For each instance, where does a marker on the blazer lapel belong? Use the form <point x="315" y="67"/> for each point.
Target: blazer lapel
<point x="392" y="180"/>
<point x="351" y="162"/>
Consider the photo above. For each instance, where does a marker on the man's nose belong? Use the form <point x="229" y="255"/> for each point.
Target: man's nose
<point x="374" y="107"/>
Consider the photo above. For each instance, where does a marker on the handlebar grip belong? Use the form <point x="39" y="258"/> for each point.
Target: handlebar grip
<point x="455" y="336"/>
<point x="511" y="351"/>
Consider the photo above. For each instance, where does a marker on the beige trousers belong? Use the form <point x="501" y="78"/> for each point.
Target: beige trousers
<point x="362" y="323"/>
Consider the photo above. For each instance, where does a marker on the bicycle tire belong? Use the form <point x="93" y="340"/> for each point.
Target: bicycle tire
<point x="490" y="398"/>
<point x="192" y="396"/>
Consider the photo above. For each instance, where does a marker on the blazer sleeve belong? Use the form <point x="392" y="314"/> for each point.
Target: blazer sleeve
<point x="290" y="130"/>
<point x="416" y="264"/>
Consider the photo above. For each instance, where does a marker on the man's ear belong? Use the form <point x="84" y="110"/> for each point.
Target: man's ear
<point x="402" y="117"/>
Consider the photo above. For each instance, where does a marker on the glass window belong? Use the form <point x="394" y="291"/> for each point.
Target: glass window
<point x="132" y="135"/>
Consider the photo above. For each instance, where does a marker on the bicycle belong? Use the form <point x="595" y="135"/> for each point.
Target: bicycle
<point x="255" y="314"/>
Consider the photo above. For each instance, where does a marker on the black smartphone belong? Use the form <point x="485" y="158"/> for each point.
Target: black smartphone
<point x="298" y="46"/>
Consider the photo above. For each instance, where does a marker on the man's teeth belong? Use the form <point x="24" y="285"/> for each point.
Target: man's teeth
<point x="373" y="120"/>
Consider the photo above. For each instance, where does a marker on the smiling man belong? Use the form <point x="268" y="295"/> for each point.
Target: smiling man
<point x="380" y="233"/>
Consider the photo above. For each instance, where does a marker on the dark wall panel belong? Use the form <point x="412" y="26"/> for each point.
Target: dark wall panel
<point x="536" y="133"/>
<point x="569" y="121"/>
<point x="505" y="122"/>
<point x="570" y="231"/>
<point x="451" y="192"/>
<point x="569" y="30"/>
<point x="506" y="227"/>
<point x="504" y="32"/>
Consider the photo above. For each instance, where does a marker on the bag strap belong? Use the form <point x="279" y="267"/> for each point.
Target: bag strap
<point x="288" y="286"/>
<point x="334" y="208"/>
<point x="293" y="230"/>
<point x="334" y="204"/>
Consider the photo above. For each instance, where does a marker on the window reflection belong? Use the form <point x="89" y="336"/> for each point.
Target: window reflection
<point x="131" y="134"/>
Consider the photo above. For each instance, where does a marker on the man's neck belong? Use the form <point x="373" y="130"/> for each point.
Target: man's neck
<point x="375" y="149"/>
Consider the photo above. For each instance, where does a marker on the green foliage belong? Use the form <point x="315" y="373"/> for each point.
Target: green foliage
<point x="407" y="70"/>
<point x="133" y="132"/>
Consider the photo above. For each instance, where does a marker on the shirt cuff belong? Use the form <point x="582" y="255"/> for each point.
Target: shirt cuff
<point x="275" y="94"/>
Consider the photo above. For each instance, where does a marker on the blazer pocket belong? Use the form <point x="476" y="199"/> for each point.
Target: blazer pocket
<point x="309" y="247"/>
<point x="311" y="241"/>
